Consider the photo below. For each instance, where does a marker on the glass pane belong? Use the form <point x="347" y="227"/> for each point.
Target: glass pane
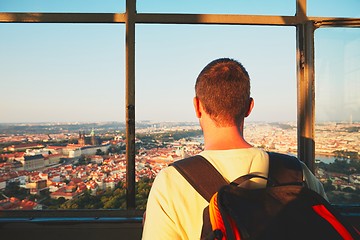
<point x="62" y="115"/>
<point x="333" y="8"/>
<point x="259" y="7"/>
<point x="63" y="6"/>
<point x="168" y="60"/>
<point x="338" y="112"/>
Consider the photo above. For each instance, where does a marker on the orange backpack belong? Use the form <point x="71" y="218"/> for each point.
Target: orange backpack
<point x="284" y="209"/>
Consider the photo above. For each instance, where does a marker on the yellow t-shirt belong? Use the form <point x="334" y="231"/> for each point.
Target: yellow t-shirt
<point x="174" y="209"/>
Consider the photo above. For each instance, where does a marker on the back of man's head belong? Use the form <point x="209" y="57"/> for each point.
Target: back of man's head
<point x="223" y="88"/>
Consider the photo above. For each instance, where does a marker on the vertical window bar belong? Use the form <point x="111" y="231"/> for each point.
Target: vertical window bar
<point x="306" y="93"/>
<point x="301" y="8"/>
<point x="130" y="103"/>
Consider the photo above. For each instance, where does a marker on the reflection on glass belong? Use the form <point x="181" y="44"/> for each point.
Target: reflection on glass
<point x="269" y="7"/>
<point x="63" y="6"/>
<point x="62" y="116"/>
<point x="168" y="60"/>
<point x="338" y="112"/>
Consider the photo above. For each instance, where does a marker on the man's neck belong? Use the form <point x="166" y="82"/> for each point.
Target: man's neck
<point x="223" y="138"/>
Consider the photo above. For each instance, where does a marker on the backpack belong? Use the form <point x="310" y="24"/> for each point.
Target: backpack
<point x="285" y="209"/>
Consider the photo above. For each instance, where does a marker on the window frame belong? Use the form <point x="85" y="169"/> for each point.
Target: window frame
<point x="305" y="26"/>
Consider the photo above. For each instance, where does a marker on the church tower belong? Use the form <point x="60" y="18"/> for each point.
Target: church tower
<point x="93" y="139"/>
<point x="81" y="139"/>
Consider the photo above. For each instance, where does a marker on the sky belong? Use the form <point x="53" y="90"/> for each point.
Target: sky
<point x="75" y="72"/>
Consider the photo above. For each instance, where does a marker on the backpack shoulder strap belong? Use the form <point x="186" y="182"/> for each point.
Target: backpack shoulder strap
<point x="201" y="174"/>
<point x="284" y="169"/>
<point x="206" y="180"/>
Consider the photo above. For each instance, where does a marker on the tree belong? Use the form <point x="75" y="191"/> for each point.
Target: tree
<point x="328" y="186"/>
<point x="82" y="160"/>
<point x="348" y="189"/>
<point x="143" y="189"/>
<point x="99" y="152"/>
<point x="13" y="190"/>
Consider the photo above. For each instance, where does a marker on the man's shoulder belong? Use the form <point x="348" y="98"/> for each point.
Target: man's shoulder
<point x="283" y="157"/>
<point x="236" y="152"/>
<point x="186" y="160"/>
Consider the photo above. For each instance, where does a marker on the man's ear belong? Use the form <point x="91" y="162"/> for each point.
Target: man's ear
<point x="251" y="105"/>
<point x="197" y="107"/>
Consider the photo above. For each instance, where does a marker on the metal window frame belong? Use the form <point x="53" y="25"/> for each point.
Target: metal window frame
<point x="305" y="27"/>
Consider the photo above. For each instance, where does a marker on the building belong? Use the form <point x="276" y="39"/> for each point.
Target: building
<point x="22" y="147"/>
<point x="16" y="204"/>
<point x="31" y="163"/>
<point x="91" y="139"/>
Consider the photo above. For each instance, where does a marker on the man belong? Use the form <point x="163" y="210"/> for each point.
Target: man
<point x="222" y="101"/>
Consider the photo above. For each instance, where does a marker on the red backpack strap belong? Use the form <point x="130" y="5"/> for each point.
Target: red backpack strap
<point x="201" y="174"/>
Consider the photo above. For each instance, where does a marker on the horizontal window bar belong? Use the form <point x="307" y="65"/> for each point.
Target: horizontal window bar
<point x="62" y="17"/>
<point x="171" y="19"/>
<point x="217" y="19"/>
<point x="64" y="214"/>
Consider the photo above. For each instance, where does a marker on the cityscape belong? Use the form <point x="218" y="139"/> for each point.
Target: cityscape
<point x="83" y="165"/>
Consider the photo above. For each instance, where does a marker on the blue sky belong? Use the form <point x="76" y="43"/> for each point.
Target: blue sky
<point x="75" y="72"/>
